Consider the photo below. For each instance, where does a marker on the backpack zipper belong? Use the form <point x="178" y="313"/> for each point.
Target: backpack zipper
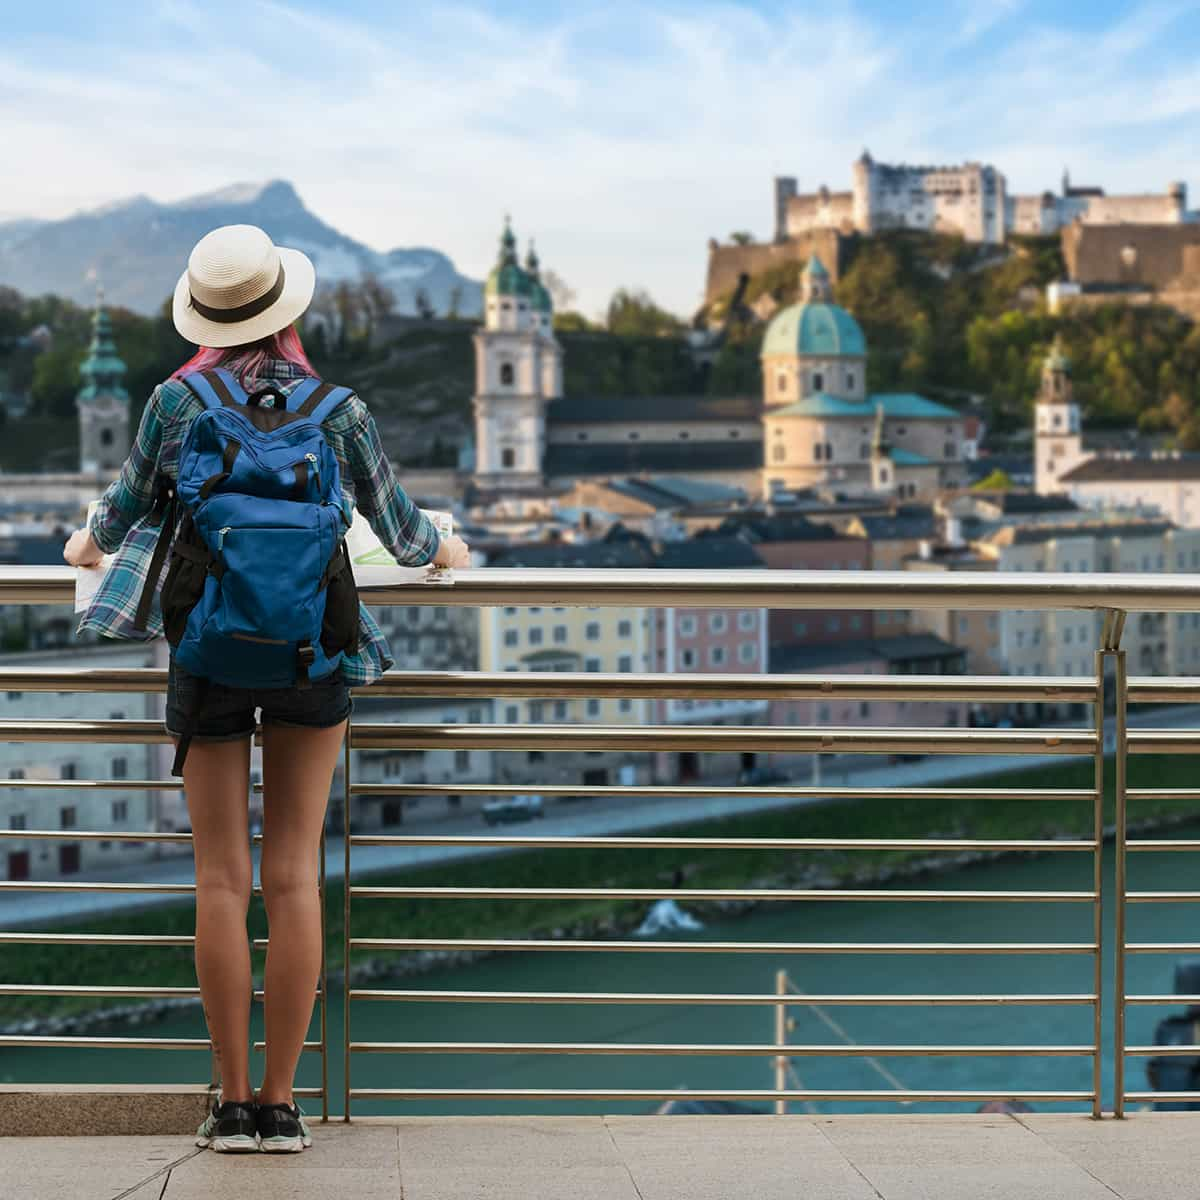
<point x="316" y="466"/>
<point x="221" y="537"/>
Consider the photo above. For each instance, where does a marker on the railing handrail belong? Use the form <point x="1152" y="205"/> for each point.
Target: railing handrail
<point x="766" y="588"/>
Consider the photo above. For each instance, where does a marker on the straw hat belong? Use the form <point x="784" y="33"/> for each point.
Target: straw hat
<point x="239" y="287"/>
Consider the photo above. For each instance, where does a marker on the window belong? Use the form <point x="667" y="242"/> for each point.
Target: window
<point x="716" y="656"/>
<point x="833" y="624"/>
<point x="687" y="626"/>
<point x="560" y="634"/>
<point x="16" y="772"/>
<point x="949" y="449"/>
<point x="67" y="771"/>
<point x="778" y="452"/>
<point x="506" y="374"/>
<point x="746" y="652"/>
<point x="512" y="714"/>
<point x="800" y="628"/>
<point x="818" y="381"/>
<point x="591" y="664"/>
<point x="592" y="631"/>
<point x="593" y="708"/>
<point x="535" y="636"/>
<point x="624" y="629"/>
<point x="717" y="622"/>
<point x="687" y="658"/>
<point x="537" y="709"/>
<point x="508" y="457"/>
<point x="828" y="451"/>
<point x="560" y="710"/>
<point x="462" y="760"/>
<point x="850" y="380"/>
<point x="864" y="450"/>
<point x="511" y="637"/>
<point x="747" y="620"/>
<point x="66" y="817"/>
<point x="120" y="768"/>
<point x="781" y="382"/>
<point x="625" y="664"/>
<point x="625" y="706"/>
<point x="16" y="821"/>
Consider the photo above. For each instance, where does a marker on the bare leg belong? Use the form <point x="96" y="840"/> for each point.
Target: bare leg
<point x="216" y="782"/>
<point x="297" y="772"/>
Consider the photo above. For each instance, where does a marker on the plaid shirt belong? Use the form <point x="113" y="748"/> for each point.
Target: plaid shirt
<point x="123" y="522"/>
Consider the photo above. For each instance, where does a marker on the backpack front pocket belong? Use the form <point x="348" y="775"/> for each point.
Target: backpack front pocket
<point x="339" y="628"/>
<point x="184" y="584"/>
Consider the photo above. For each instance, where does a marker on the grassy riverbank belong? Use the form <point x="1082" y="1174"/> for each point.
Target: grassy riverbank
<point x="890" y="818"/>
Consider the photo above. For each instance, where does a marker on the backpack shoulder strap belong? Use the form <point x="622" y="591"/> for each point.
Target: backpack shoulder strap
<point x="215" y="387"/>
<point x="316" y="400"/>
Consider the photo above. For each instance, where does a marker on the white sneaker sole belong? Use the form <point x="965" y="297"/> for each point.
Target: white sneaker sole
<point x="284" y="1145"/>
<point x="239" y="1143"/>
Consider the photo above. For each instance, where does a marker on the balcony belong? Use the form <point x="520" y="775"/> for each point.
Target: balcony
<point x="400" y="1125"/>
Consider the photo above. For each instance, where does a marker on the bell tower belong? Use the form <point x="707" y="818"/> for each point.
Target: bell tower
<point x="1058" y="434"/>
<point x="102" y="401"/>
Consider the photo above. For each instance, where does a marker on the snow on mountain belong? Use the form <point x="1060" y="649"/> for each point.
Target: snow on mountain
<point x="137" y="248"/>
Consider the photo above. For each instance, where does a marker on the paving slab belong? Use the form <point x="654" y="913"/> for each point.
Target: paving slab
<point x="84" y="1167"/>
<point x="948" y="1158"/>
<point x="1145" y="1156"/>
<point x="511" y="1158"/>
<point x="711" y="1157"/>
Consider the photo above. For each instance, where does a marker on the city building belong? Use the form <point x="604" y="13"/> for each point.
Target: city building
<point x="820" y="425"/>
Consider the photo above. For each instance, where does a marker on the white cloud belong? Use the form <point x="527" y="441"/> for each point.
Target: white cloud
<point x="622" y="135"/>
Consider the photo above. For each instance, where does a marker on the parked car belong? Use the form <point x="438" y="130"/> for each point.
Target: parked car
<point x="512" y="808"/>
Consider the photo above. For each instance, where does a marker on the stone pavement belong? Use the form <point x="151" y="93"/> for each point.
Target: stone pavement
<point x="1147" y="1156"/>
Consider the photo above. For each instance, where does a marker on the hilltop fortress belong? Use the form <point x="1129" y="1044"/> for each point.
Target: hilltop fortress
<point x="970" y="201"/>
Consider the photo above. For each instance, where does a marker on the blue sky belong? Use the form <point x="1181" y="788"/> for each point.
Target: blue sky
<point x="623" y="135"/>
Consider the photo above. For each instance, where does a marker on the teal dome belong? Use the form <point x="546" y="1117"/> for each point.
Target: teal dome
<point x="816" y="328"/>
<point x="506" y="278"/>
<point x="540" y="296"/>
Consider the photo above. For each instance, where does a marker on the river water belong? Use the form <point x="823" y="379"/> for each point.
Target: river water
<point x="676" y="972"/>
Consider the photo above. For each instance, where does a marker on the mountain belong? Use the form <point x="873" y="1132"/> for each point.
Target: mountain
<point x="137" y="248"/>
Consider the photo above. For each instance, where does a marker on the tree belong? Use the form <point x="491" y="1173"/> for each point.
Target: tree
<point x="997" y="481"/>
<point x="742" y="237"/>
<point x="634" y="314"/>
<point x="561" y="294"/>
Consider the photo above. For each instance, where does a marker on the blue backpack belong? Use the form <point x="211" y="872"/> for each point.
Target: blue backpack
<point x="259" y="591"/>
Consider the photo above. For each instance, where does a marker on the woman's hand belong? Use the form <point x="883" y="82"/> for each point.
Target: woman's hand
<point x="81" y="550"/>
<point x="452" y="552"/>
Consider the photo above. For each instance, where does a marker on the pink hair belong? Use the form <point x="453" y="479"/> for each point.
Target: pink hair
<point x="247" y="361"/>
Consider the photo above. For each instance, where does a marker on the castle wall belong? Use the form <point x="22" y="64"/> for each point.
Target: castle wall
<point x="727" y="262"/>
<point x="1149" y="256"/>
<point x="820" y="210"/>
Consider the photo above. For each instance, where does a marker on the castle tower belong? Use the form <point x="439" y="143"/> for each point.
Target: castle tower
<point x="510" y="375"/>
<point x="1058" y="436"/>
<point x="102" y="402"/>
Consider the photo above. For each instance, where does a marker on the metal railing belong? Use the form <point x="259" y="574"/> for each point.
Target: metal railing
<point x="1112" y="594"/>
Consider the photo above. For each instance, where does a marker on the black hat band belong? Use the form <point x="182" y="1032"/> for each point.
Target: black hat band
<point x="243" y="312"/>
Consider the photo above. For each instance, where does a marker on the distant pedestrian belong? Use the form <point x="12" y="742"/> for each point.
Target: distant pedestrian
<point x="237" y="301"/>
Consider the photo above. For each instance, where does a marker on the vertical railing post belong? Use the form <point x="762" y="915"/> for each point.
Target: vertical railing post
<point x="781" y="1061"/>
<point x="1097" y="888"/>
<point x="1119" y="886"/>
<point x="347" y="791"/>
<point x="321" y="891"/>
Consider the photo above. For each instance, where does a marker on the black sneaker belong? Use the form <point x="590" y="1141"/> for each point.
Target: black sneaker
<point x="230" y="1128"/>
<point x="282" y="1128"/>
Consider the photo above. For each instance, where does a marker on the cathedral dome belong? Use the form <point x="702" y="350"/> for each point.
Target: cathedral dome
<point x="814" y="326"/>
<point x="539" y="295"/>
<point x="507" y="278"/>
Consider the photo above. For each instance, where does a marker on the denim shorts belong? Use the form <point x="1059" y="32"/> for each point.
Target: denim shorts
<point x="227" y="712"/>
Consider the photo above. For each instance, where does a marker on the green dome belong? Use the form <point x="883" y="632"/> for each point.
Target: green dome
<point x="815" y="328"/>
<point x="103" y="370"/>
<point x="541" y="297"/>
<point x="506" y="277"/>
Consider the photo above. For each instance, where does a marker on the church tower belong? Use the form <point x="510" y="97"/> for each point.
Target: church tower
<point x="883" y="470"/>
<point x="1058" y="436"/>
<point x="102" y="402"/>
<point x="518" y="370"/>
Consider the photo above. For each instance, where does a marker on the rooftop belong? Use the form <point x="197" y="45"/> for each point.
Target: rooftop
<point x="1135" y="469"/>
<point x="896" y="406"/>
<point x="565" y="460"/>
<point x="571" y="410"/>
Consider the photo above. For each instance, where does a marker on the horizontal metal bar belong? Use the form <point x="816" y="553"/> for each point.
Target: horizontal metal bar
<point x="825" y="739"/>
<point x="78" y="730"/>
<point x="73" y="989"/>
<point x="583" y="842"/>
<point x="1168" y="844"/>
<point x="94" y="835"/>
<point x="138" y="785"/>
<point x="1163" y="741"/>
<point x="685" y="792"/>
<point x="790" y="1050"/>
<point x="1178" y="689"/>
<point x="693" y="1093"/>
<point x="1162" y="999"/>
<point x="691" y="895"/>
<point x="718" y="998"/>
<point x="104" y="1043"/>
<point x="88" y="885"/>
<point x="1165" y="1051"/>
<point x="1162" y="948"/>
<point x="1161" y="897"/>
<point x="82" y="679"/>
<point x="1163" y="1097"/>
<point x="1192" y="794"/>
<point x="656" y="947"/>
<point x="687" y="686"/>
<point x="647" y="587"/>
<point x="98" y="939"/>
